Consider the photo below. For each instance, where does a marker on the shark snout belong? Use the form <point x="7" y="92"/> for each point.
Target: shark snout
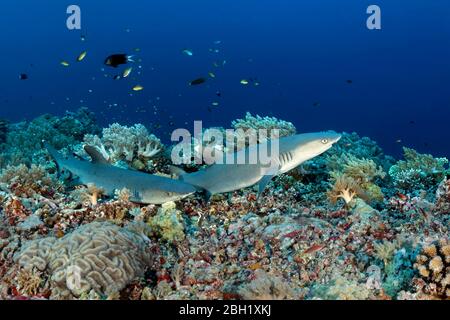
<point x="334" y="137"/>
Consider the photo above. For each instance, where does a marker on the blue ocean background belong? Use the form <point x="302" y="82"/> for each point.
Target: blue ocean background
<point x="301" y="52"/>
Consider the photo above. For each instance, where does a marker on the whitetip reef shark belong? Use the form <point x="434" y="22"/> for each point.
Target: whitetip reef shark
<point x="293" y="151"/>
<point x="144" y="188"/>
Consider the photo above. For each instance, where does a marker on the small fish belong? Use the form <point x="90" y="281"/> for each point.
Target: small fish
<point x="127" y="72"/>
<point x="82" y="56"/>
<point x="197" y="82"/>
<point x="218" y="42"/>
<point x="218" y="93"/>
<point x="316" y="104"/>
<point x="211" y="74"/>
<point x="117" y="59"/>
<point x="23" y="76"/>
<point x="65" y="63"/>
<point x="244" y="82"/>
<point x="117" y="77"/>
<point x="399" y="141"/>
<point x="349" y="81"/>
<point x="138" y="88"/>
<point x="188" y="52"/>
<point x="314" y="248"/>
<point x="402" y="197"/>
<point x="83" y="38"/>
<point x="215" y="104"/>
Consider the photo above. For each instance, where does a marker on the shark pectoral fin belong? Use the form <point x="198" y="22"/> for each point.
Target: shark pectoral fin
<point x="262" y="184"/>
<point x="95" y="154"/>
<point x="207" y="196"/>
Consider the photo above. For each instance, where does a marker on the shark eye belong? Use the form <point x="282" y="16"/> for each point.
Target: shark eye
<point x="324" y="141"/>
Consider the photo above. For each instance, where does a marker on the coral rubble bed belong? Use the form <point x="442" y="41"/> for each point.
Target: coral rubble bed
<point x="350" y="224"/>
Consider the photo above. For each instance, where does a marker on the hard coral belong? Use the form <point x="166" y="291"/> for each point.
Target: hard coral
<point x="98" y="256"/>
<point x="121" y="143"/>
<point x="434" y="269"/>
<point x="257" y="123"/>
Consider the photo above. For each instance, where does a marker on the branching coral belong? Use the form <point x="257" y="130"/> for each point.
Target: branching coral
<point x="418" y="171"/>
<point x="434" y="269"/>
<point x="130" y="144"/>
<point x="268" y="123"/>
<point x="99" y="256"/>
<point x="26" y="182"/>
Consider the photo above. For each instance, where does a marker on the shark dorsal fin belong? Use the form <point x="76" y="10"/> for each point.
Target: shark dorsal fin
<point x="95" y="154"/>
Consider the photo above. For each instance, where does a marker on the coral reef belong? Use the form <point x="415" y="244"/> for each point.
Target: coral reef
<point x="24" y="140"/>
<point x="3" y="130"/>
<point x="27" y="182"/>
<point x="418" y="171"/>
<point x="373" y="240"/>
<point x="98" y="256"/>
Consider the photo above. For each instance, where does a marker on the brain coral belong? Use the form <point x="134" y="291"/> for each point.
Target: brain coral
<point x="99" y="256"/>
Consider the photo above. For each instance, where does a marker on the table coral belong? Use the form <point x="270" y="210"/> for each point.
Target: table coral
<point x="98" y="256"/>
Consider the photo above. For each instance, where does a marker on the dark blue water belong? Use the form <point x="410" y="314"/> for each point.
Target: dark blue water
<point x="302" y="53"/>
